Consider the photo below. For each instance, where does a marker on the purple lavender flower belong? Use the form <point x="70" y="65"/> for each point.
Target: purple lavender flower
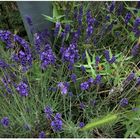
<point x="73" y="78"/>
<point x="76" y="35"/>
<point x="3" y="65"/>
<point x="83" y="56"/>
<point x="127" y="17"/>
<point x="97" y="60"/>
<point x="124" y="102"/>
<point x="47" y="57"/>
<point x="98" y="79"/>
<point x="30" y="23"/>
<point x="135" y="50"/>
<point x="29" y="20"/>
<point x="22" y="88"/>
<point x="136" y="27"/>
<point x="83" y="69"/>
<point x="90" y="23"/>
<point x="70" y="54"/>
<point x="107" y="17"/>
<point x="112" y="60"/>
<point x="130" y="77"/>
<point x="48" y="112"/>
<point x="23" y="57"/>
<point x="81" y="124"/>
<point x="70" y="94"/>
<point x="5" y="121"/>
<point x="42" y="134"/>
<point x="120" y="9"/>
<point x="107" y="56"/>
<point x="89" y="31"/>
<point x="63" y="87"/>
<point x="67" y="28"/>
<point x="5" y="36"/>
<point x="84" y="86"/>
<point x="57" y="123"/>
<point x="111" y="6"/>
<point x="90" y="80"/>
<point x="80" y="16"/>
<point x="70" y="66"/>
<point x="57" y="29"/>
<point x="138" y="81"/>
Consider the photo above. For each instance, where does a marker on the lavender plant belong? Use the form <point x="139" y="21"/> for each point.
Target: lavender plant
<point x="90" y="69"/>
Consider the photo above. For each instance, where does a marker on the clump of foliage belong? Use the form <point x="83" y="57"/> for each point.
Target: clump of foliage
<point x="83" y="83"/>
<point x="10" y="18"/>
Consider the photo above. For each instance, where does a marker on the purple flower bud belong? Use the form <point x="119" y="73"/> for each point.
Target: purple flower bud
<point x="127" y="17"/>
<point x="57" y="123"/>
<point x="124" y="102"/>
<point x="111" y="6"/>
<point x="73" y="78"/>
<point x="63" y="87"/>
<point x="83" y="69"/>
<point x="135" y="50"/>
<point x="48" y="112"/>
<point x="22" y="88"/>
<point x="81" y="124"/>
<point x="42" y="134"/>
<point x="5" y="121"/>
<point x="84" y="86"/>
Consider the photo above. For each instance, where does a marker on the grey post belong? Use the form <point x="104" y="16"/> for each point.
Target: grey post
<point x="35" y="9"/>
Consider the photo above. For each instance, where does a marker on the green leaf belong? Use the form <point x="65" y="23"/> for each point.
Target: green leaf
<point x="55" y="12"/>
<point x="59" y="17"/>
<point x="49" y="18"/>
<point x="66" y="21"/>
<point x="100" y="122"/>
<point x="88" y="58"/>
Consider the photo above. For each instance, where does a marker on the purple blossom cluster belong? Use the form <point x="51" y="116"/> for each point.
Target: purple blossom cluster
<point x="24" y="56"/>
<point x="40" y="39"/>
<point x="86" y="85"/>
<point x="136" y="27"/>
<point x="120" y="9"/>
<point x="3" y="64"/>
<point x="129" y="78"/>
<point x="5" y="36"/>
<point x="48" y="112"/>
<point x="90" y="24"/>
<point x="81" y="124"/>
<point x="124" y="102"/>
<point x="30" y="23"/>
<point x="63" y="86"/>
<point x="5" y="121"/>
<point x="136" y="50"/>
<point x="57" y="123"/>
<point x="107" y="56"/>
<point x="70" y="54"/>
<point x="127" y="18"/>
<point x="42" y="134"/>
<point x="111" y="7"/>
<point x="73" y="77"/>
<point x="22" y="89"/>
<point x="57" y="29"/>
<point x="47" y="57"/>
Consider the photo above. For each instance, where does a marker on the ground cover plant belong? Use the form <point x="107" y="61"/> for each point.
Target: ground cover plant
<point x="81" y="82"/>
